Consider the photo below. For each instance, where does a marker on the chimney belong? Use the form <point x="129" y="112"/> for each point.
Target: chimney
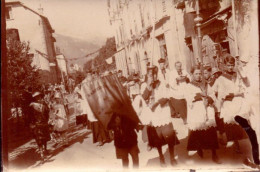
<point x="40" y="10"/>
<point x="58" y="50"/>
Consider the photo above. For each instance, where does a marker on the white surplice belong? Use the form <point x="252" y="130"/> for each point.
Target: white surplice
<point x="197" y="112"/>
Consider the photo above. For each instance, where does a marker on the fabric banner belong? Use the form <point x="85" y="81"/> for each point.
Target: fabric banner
<point x="107" y="96"/>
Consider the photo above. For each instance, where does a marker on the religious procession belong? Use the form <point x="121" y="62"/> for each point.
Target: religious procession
<point x="176" y="87"/>
<point x="211" y="104"/>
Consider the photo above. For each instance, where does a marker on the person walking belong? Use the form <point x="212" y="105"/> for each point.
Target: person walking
<point x="125" y="139"/>
<point x="160" y="131"/>
<point x="201" y="117"/>
<point x="39" y="122"/>
<point x="238" y="108"/>
<point x="231" y="91"/>
<point x="178" y="82"/>
<point x="61" y="124"/>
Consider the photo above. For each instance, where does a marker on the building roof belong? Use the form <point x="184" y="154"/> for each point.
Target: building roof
<point x="45" y="19"/>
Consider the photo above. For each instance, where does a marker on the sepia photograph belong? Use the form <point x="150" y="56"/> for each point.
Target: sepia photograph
<point x="130" y="85"/>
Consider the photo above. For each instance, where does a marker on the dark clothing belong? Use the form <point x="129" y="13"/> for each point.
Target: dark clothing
<point x="125" y="136"/>
<point x="27" y="99"/>
<point x="252" y="137"/>
<point x="82" y="119"/>
<point x="178" y="106"/>
<point x="41" y="134"/>
<point x="39" y="123"/>
<point x="40" y="116"/>
<point x="125" y="141"/>
<point x="203" y="139"/>
<point x="147" y="93"/>
<point x="234" y="132"/>
<point x="122" y="79"/>
<point x="95" y="131"/>
<point x="220" y="123"/>
<point x="159" y="136"/>
<point x="122" y="153"/>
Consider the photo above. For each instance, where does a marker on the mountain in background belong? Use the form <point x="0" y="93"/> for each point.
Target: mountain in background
<point x="73" y="48"/>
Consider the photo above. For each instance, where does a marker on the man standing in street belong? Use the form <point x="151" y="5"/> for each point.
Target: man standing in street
<point x="39" y="122"/>
<point x="178" y="83"/>
<point x="125" y="139"/>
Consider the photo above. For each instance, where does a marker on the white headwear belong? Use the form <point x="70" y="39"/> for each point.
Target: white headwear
<point x="36" y="94"/>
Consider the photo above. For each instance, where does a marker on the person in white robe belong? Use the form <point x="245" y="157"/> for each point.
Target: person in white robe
<point x="160" y="131"/>
<point x="231" y="89"/>
<point x="200" y="118"/>
<point x="178" y="81"/>
<point x="238" y="97"/>
<point x="61" y="124"/>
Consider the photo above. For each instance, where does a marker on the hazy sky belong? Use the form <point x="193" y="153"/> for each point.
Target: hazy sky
<point x="84" y="19"/>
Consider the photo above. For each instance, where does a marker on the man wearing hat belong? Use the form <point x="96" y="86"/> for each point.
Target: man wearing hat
<point x="39" y="122"/>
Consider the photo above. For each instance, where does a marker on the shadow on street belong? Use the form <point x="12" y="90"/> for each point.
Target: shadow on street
<point x="29" y="157"/>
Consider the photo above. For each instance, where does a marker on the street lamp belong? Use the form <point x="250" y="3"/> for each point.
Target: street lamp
<point x="198" y="21"/>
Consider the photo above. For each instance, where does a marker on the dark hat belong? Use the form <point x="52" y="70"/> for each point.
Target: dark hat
<point x="161" y="60"/>
<point x="207" y="67"/>
<point x="89" y="71"/>
<point x="136" y="77"/>
<point x="130" y="78"/>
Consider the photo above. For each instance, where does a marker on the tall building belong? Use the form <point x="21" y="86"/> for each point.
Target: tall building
<point x="62" y="65"/>
<point x="29" y="25"/>
<point x="146" y="30"/>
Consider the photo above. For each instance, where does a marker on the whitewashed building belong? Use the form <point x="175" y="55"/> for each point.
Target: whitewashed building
<point x="62" y="65"/>
<point x="146" y="30"/>
<point x="29" y="25"/>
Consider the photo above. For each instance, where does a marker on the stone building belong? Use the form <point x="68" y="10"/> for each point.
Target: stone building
<point x="29" y="25"/>
<point x="146" y="30"/>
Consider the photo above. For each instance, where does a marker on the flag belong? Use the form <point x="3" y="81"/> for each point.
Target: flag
<point x="107" y="96"/>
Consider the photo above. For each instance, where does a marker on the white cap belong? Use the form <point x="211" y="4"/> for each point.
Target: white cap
<point x="57" y="95"/>
<point x="36" y="94"/>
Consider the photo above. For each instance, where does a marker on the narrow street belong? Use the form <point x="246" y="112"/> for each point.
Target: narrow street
<point x="82" y="154"/>
<point x="189" y="69"/>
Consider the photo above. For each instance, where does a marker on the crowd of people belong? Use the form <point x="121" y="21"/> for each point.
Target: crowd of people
<point x="45" y="113"/>
<point x="212" y="103"/>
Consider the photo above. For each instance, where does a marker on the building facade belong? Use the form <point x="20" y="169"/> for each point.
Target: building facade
<point x="62" y="65"/>
<point x="31" y="26"/>
<point x="146" y="30"/>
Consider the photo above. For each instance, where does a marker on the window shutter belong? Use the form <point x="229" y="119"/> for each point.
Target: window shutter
<point x="8" y="13"/>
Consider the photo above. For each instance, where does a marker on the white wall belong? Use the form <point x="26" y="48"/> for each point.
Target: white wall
<point x="30" y="29"/>
<point x="62" y="63"/>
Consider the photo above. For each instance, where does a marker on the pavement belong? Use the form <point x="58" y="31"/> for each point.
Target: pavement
<point x="83" y="155"/>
